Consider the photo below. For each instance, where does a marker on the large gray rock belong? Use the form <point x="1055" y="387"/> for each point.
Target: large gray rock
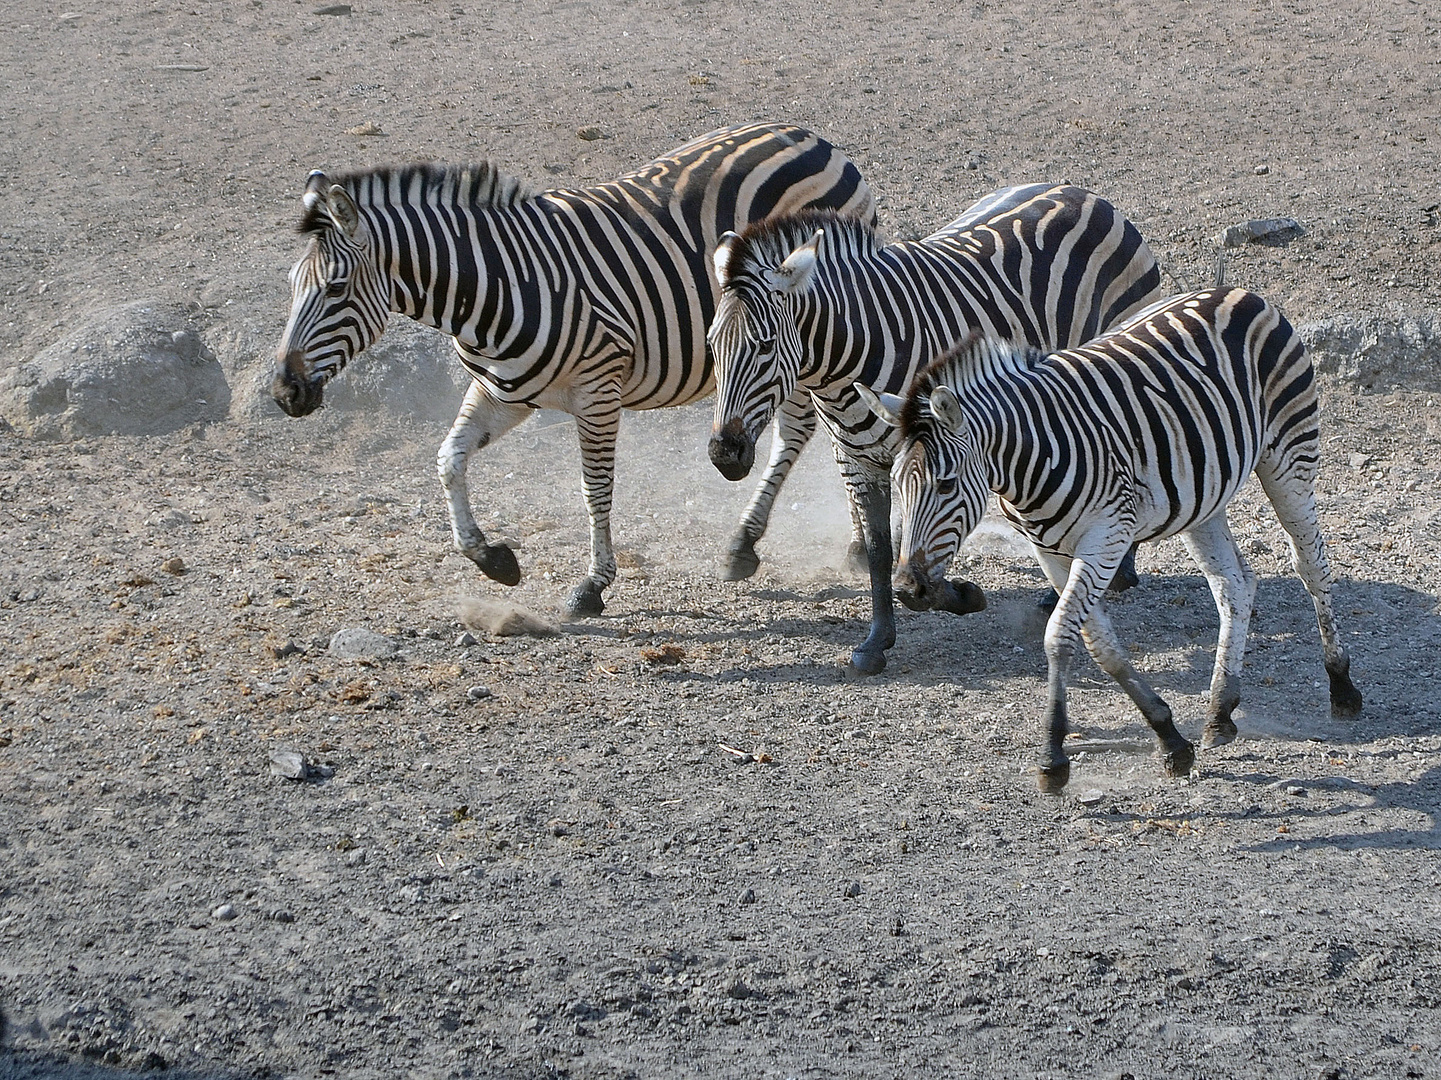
<point x="136" y="369"/>
<point x="1375" y="352"/>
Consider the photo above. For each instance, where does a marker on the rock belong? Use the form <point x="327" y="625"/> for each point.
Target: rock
<point x="126" y="370"/>
<point x="852" y="890"/>
<point x="1358" y="460"/>
<point x="736" y="989"/>
<point x="1269" y="230"/>
<point x="357" y="643"/>
<point x="748" y="897"/>
<point x="590" y="133"/>
<point x="1375" y="352"/>
<point x="465" y="640"/>
<point x="289" y="764"/>
<point x="280" y="652"/>
<point x="410" y="372"/>
<point x="477" y="693"/>
<point x="174" y="565"/>
<point x="224" y="913"/>
<point x="1261" y="170"/>
<point x="1090" y="798"/>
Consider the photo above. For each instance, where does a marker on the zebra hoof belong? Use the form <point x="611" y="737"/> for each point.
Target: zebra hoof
<point x="865" y="662"/>
<point x="585" y="600"/>
<point x="1345" y="698"/>
<point x="1217" y="733"/>
<point x="856" y="558"/>
<point x="1053" y="778"/>
<point x="741" y="560"/>
<point x="1125" y="576"/>
<point x="497" y="562"/>
<point x="960" y="598"/>
<point x="1179" y="760"/>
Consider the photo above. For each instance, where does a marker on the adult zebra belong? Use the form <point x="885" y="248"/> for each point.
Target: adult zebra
<point x="816" y="302"/>
<point x="588" y="300"/>
<point x="1144" y="433"/>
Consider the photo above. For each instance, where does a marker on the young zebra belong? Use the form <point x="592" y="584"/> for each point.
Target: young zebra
<point x="1144" y="433"/>
<point x="589" y="300"/>
<point x="815" y="302"/>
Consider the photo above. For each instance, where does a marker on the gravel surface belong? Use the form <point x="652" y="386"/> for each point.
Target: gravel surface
<point x="286" y="789"/>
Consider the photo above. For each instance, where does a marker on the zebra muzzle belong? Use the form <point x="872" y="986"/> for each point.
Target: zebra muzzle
<point x="732" y="451"/>
<point x="293" y="390"/>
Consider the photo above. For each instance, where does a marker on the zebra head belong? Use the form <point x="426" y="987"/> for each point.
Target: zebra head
<point x="339" y="300"/>
<point x="754" y="339"/>
<point x="940" y="486"/>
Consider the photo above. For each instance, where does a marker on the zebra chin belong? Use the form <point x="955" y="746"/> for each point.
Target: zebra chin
<point x="732" y="451"/>
<point x="919" y="593"/>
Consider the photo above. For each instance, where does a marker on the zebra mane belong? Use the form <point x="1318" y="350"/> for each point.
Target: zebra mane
<point x="766" y="243"/>
<point x="974" y="359"/>
<point x="479" y="186"/>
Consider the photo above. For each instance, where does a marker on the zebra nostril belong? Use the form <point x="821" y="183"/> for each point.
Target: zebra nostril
<point x="732" y="452"/>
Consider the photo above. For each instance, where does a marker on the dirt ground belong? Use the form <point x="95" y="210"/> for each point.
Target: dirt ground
<point x="676" y="841"/>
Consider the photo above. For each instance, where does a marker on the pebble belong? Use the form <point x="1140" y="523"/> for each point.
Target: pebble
<point x="1296" y="790"/>
<point x="853" y="890"/>
<point x="224" y="913"/>
<point x="589" y="133"/>
<point x="357" y="643"/>
<point x="173" y="566"/>
<point x="280" y="652"/>
<point x="477" y="693"/>
<point x="1261" y="170"/>
<point x="1090" y="798"/>
<point x="289" y="764"/>
<point x="748" y="897"/>
<point x="1260" y="229"/>
<point x="356" y="857"/>
<point x="465" y="640"/>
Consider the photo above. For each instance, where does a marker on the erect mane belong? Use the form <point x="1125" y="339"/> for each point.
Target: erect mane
<point x="973" y="359"/>
<point x="766" y="243"/>
<point x="480" y="186"/>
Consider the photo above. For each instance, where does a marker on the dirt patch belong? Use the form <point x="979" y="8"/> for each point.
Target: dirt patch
<point x="676" y="840"/>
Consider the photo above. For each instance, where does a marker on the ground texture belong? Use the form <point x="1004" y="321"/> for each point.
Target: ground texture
<point x="677" y="841"/>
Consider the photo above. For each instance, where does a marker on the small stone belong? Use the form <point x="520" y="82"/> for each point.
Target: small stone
<point x="465" y="640"/>
<point x="333" y="9"/>
<point x="357" y="643"/>
<point x="224" y="913"/>
<point x="477" y="693"/>
<point x="1090" y="798"/>
<point x="748" y="897"/>
<point x="1273" y="229"/>
<point x="367" y="128"/>
<point x="356" y="857"/>
<point x="280" y="915"/>
<point x="1297" y="790"/>
<point x="1358" y="460"/>
<point x="1261" y="170"/>
<point x="280" y="652"/>
<point x="174" y="565"/>
<point x="289" y="764"/>
<point x="853" y="890"/>
<point x="553" y="881"/>
<point x="736" y="989"/>
<point x="590" y="133"/>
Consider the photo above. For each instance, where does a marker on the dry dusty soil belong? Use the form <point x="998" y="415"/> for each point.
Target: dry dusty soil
<point x="676" y="841"/>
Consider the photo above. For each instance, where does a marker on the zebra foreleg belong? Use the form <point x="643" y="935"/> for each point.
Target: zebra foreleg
<point x="597" y="425"/>
<point x="1233" y="586"/>
<point x="874" y="494"/>
<point x="794" y="425"/>
<point x="480" y="422"/>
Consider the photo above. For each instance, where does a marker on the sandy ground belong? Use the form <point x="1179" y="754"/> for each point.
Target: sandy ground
<point x="676" y="841"/>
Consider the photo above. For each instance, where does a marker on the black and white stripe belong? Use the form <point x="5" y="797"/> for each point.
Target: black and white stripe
<point x="590" y="300"/>
<point x="1145" y="433"/>
<point x="815" y="302"/>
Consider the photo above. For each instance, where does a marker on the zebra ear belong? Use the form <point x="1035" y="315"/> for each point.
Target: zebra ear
<point x="342" y="210"/>
<point x="721" y="259"/>
<point x="794" y="275"/>
<point x="886" y="406"/>
<point x="946" y="408"/>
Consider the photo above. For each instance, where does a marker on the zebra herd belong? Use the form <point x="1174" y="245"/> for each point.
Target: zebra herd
<point x="1025" y="349"/>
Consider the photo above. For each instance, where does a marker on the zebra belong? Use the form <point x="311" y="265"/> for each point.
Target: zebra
<point x="1145" y="433"/>
<point x="816" y="302"/>
<point x="590" y="300"/>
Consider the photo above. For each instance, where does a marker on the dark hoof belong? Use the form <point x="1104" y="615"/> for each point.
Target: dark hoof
<point x="1052" y="778"/>
<point x="1126" y="576"/>
<point x="914" y="602"/>
<point x="1345" y="698"/>
<point x="741" y="560"/>
<point x="960" y="598"/>
<point x="1178" y="762"/>
<point x="857" y="559"/>
<point x="1048" y="601"/>
<point x="497" y="562"/>
<point x="866" y="662"/>
<point x="585" y="600"/>
<point x="1217" y="733"/>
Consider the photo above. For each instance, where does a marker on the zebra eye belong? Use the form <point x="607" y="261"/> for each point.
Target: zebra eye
<point x="335" y="288"/>
<point x="946" y="485"/>
<point x="765" y="344"/>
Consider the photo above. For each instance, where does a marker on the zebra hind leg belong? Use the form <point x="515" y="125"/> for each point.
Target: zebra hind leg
<point x="481" y="421"/>
<point x="597" y="427"/>
<point x="1233" y="587"/>
<point x="1293" y="496"/>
